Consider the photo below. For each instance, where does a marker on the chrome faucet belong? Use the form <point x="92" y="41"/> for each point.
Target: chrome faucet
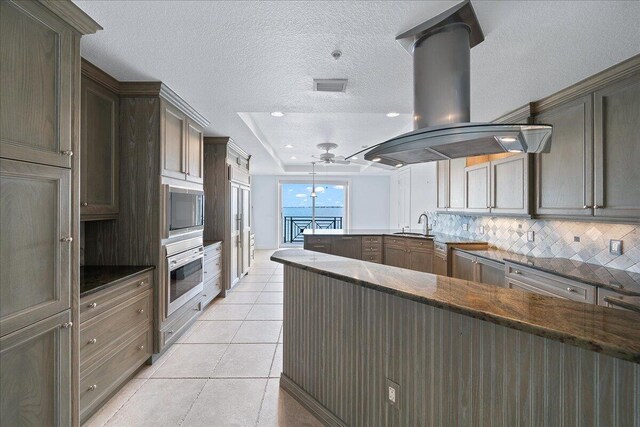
<point x="425" y="224"/>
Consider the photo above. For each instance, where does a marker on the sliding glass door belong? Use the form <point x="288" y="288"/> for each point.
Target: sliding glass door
<point x="301" y="204"/>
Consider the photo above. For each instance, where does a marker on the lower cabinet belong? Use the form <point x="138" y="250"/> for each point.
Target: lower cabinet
<point x="35" y="374"/>
<point x="466" y="266"/>
<point x="440" y="265"/>
<point x="347" y="246"/>
<point x="395" y="256"/>
<point x="528" y="279"/>
<point x="116" y="338"/>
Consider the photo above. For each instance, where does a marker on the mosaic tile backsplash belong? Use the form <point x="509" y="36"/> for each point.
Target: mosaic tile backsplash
<point x="552" y="238"/>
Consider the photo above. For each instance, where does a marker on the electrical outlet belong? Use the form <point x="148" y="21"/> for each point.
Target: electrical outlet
<point x="393" y="393"/>
<point x="465" y="227"/>
<point x="576" y="238"/>
<point x="615" y="247"/>
<point x="482" y="229"/>
<point x="531" y="236"/>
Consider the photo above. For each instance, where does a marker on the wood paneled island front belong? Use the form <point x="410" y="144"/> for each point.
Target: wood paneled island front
<point x="456" y="352"/>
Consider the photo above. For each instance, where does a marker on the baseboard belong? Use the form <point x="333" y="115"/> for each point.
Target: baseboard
<point x="325" y="416"/>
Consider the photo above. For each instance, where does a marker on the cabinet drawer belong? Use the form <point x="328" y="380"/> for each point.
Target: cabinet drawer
<point x="212" y="268"/>
<point x="395" y="242"/>
<point x="211" y="289"/>
<point x="326" y="248"/>
<point x="371" y="246"/>
<point x="95" y="304"/>
<point x="372" y="257"/>
<point x="98" y="384"/>
<point x="183" y="320"/>
<point x="100" y="334"/>
<point x="317" y="240"/>
<point x="371" y="240"/>
<point x="554" y="285"/>
<point x="212" y="251"/>
<point x="420" y="244"/>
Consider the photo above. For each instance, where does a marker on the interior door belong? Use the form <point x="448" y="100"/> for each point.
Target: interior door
<point x="234" y="268"/>
<point x="245" y="231"/>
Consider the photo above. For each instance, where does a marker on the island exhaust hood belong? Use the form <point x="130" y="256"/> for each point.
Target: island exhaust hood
<point x="441" y="50"/>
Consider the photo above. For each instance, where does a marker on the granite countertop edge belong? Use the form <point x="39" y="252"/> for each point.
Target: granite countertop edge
<point x="539" y="330"/>
<point x="117" y="280"/>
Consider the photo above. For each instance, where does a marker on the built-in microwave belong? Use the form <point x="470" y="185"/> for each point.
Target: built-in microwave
<point x="185" y="210"/>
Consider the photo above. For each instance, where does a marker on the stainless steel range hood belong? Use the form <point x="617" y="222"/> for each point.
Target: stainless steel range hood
<point x="441" y="51"/>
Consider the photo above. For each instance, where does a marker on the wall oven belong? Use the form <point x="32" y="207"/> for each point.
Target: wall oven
<point x="184" y="276"/>
<point x="185" y="210"/>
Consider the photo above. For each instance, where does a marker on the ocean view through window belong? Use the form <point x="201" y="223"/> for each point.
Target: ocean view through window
<point x="297" y="208"/>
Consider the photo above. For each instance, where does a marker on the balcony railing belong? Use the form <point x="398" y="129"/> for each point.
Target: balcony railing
<point x="294" y="226"/>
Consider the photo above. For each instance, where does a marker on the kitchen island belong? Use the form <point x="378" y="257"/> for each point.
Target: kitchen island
<point x="455" y="352"/>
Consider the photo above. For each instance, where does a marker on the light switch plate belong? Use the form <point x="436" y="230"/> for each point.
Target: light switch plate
<point x="615" y="247"/>
<point x="482" y="229"/>
<point x="531" y="236"/>
<point x="393" y="393"/>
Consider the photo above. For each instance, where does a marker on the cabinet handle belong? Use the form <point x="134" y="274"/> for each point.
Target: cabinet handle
<point x="169" y="332"/>
<point x="67" y="239"/>
<point x="67" y="325"/>
<point x="206" y="272"/>
<point x="92" y="305"/>
<point x="93" y="387"/>
<point x="570" y="289"/>
<point x="67" y="153"/>
<point x="586" y="207"/>
<point x="92" y="341"/>
<point x="516" y="272"/>
<point x="140" y="347"/>
<point x="142" y="283"/>
<point x="598" y="207"/>
<point x="85" y="204"/>
<point x="141" y="311"/>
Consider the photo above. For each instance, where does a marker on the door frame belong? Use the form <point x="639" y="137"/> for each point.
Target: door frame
<point x="346" y="182"/>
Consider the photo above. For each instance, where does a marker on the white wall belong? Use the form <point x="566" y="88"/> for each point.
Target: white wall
<point x="369" y="204"/>
<point x="423" y="193"/>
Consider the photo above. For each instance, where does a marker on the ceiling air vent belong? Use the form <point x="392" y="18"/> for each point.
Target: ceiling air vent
<point x="329" y="85"/>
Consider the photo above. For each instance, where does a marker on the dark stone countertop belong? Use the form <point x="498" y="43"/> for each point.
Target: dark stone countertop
<point x="624" y="282"/>
<point x="437" y="237"/>
<point x="94" y="278"/>
<point x="596" y="328"/>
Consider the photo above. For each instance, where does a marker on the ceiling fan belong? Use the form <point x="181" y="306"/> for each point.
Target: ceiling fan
<point x="329" y="158"/>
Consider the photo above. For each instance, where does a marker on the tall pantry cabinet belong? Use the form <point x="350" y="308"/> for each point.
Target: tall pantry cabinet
<point x="228" y="206"/>
<point x="40" y="210"/>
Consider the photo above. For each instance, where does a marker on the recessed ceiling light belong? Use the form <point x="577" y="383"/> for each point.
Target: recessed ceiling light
<point x="399" y="165"/>
<point x="288" y="146"/>
<point x="393" y="114"/>
<point x="277" y="114"/>
<point x="515" y="150"/>
<point x="354" y="157"/>
<point x="508" y="139"/>
<point x="293" y="157"/>
<point x="376" y="159"/>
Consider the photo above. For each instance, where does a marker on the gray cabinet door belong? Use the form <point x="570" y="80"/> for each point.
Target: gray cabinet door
<point x="35" y="374"/>
<point x="35" y="250"/>
<point x="463" y="266"/>
<point x="99" y="181"/>
<point x="617" y="150"/>
<point x="510" y="185"/>
<point x="439" y="264"/>
<point x="36" y="83"/>
<point x="476" y="186"/>
<point x="443" y="185"/>
<point x="456" y="184"/>
<point x="564" y="175"/>
<point x="395" y="256"/>
<point x="420" y="260"/>
<point x="490" y="272"/>
<point x="347" y="246"/>
<point x="195" y="153"/>
<point x="173" y="127"/>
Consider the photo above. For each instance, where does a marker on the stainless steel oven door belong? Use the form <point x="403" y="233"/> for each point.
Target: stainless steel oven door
<point x="185" y="277"/>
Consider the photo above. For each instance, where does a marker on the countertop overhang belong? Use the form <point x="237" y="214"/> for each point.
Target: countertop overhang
<point x="605" y="330"/>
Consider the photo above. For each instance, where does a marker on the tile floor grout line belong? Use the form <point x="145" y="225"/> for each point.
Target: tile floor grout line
<point x="192" y="403"/>
<point x="123" y="403"/>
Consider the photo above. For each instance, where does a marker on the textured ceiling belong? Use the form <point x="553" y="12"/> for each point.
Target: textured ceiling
<point x="228" y="57"/>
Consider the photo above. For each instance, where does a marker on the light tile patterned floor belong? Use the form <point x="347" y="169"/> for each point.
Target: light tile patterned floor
<point x="224" y="370"/>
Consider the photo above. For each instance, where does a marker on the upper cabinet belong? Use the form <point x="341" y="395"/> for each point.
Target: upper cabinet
<point x="182" y="144"/>
<point x="37" y="68"/>
<point x="617" y="150"/>
<point x="564" y="175"/>
<point x="592" y="169"/>
<point x="99" y="151"/>
<point x="509" y="185"/>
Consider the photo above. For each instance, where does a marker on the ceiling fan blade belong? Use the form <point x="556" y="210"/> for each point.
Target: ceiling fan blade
<point x="341" y="162"/>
